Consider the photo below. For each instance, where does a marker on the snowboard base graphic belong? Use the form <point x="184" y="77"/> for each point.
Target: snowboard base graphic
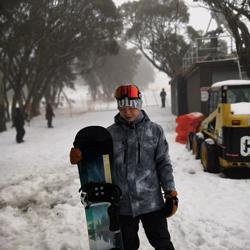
<point x="98" y="229"/>
<point x="98" y="194"/>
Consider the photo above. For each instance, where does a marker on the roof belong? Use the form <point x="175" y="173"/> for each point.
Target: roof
<point x="231" y="83"/>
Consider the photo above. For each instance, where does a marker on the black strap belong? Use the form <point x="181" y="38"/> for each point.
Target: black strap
<point x="101" y="192"/>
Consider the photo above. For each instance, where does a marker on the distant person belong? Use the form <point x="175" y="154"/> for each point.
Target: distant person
<point x="49" y="114"/>
<point x="163" y="95"/>
<point x="18" y="123"/>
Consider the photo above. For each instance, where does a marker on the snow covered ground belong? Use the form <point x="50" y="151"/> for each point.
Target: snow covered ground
<point x="39" y="200"/>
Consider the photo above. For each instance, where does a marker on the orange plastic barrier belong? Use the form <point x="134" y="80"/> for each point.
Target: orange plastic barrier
<point x="187" y="123"/>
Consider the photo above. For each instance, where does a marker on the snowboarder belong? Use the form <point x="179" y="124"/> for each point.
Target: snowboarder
<point x="18" y="123"/>
<point x="142" y="168"/>
<point x="163" y="95"/>
<point x="49" y="114"/>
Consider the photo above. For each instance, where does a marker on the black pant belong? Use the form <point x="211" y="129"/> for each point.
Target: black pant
<point x="50" y="122"/>
<point x="163" y="103"/>
<point x="155" y="227"/>
<point x="20" y="131"/>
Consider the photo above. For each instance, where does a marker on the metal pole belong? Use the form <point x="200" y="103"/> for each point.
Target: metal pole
<point x="239" y="68"/>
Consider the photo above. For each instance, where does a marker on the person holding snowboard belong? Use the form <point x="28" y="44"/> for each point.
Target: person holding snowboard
<point x="18" y="123"/>
<point x="142" y="169"/>
<point x="163" y="95"/>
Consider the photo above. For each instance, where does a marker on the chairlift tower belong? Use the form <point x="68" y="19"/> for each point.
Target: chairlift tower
<point x="214" y="35"/>
<point x="214" y="45"/>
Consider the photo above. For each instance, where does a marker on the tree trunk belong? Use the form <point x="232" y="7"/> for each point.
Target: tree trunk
<point x="2" y="110"/>
<point x="35" y="107"/>
<point x="2" y="119"/>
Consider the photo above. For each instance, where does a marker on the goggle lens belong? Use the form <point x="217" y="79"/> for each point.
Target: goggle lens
<point x="129" y="91"/>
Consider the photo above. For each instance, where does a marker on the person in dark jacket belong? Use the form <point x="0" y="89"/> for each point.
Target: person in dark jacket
<point x="142" y="169"/>
<point x="49" y="114"/>
<point x="18" y="123"/>
<point x="163" y="95"/>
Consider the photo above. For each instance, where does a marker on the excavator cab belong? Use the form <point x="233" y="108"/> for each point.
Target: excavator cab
<point x="223" y="140"/>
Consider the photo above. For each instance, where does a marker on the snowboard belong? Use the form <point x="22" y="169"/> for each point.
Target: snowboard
<point x="99" y="196"/>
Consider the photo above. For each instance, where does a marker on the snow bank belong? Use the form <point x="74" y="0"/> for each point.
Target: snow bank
<point x="40" y="205"/>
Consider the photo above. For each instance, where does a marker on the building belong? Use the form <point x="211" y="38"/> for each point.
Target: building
<point x="201" y="68"/>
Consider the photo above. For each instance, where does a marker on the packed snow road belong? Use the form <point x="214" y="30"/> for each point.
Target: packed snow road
<point x="39" y="200"/>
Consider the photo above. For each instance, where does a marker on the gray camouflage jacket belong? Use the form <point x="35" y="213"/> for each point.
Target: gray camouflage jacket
<point x="141" y="164"/>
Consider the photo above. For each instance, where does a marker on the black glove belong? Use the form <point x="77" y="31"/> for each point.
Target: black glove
<point x="171" y="203"/>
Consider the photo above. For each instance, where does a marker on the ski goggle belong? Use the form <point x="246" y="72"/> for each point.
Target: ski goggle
<point x="130" y="91"/>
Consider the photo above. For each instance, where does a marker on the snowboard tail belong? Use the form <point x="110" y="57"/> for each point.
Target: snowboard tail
<point x="100" y="237"/>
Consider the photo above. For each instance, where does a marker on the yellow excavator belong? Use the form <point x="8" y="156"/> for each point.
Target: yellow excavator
<point x="223" y="141"/>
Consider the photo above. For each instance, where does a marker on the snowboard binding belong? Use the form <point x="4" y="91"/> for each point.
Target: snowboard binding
<point x="103" y="192"/>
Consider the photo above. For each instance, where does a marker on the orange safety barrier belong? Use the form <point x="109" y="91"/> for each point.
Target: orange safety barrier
<point x="186" y="124"/>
